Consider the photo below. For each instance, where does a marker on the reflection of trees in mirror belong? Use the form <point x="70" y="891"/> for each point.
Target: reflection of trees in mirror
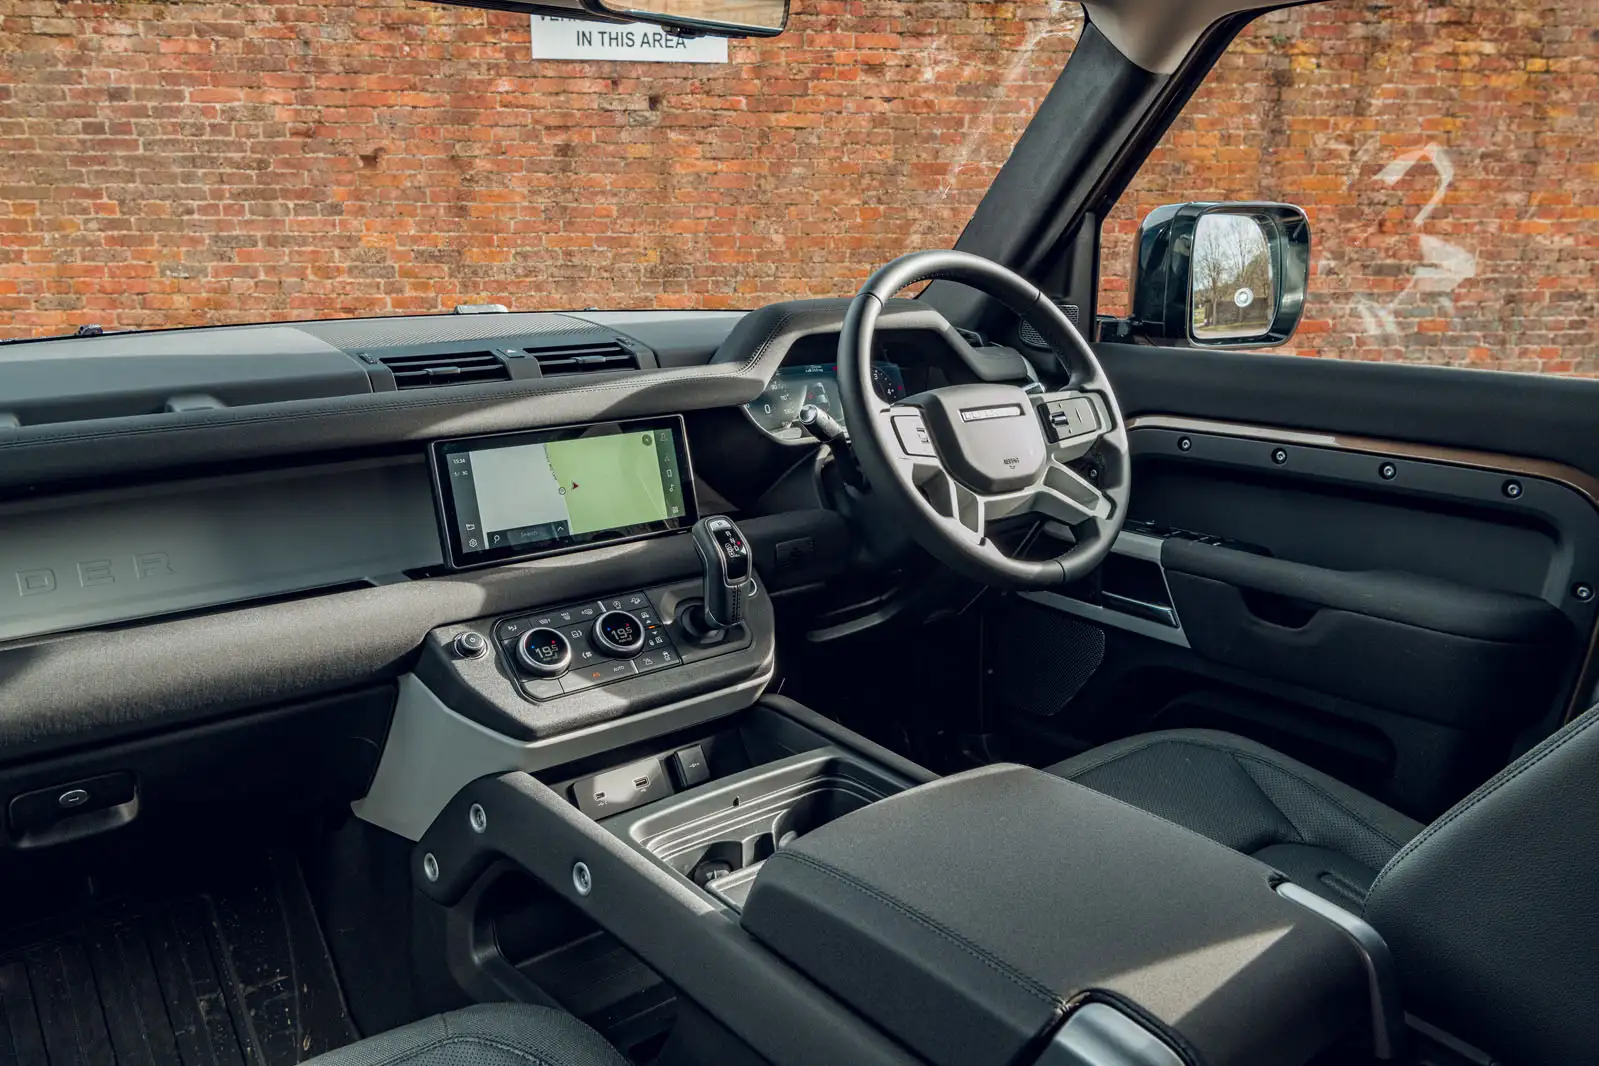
<point x="1233" y="295"/>
<point x="762" y="13"/>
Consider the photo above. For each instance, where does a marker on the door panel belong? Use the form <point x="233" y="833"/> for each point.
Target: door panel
<point x="1404" y="613"/>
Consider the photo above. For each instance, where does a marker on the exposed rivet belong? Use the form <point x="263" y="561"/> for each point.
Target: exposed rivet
<point x="430" y="867"/>
<point x="1513" y="489"/>
<point x="582" y="880"/>
<point x="1582" y="592"/>
<point x="478" y="817"/>
<point x="1388" y="471"/>
<point x="1185" y="444"/>
<point x="1279" y="456"/>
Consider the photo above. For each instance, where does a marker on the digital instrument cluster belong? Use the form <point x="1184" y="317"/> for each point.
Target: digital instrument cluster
<point x="777" y="409"/>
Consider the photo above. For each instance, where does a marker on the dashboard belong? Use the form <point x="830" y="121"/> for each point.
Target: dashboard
<point x="777" y="409"/>
<point x="261" y="504"/>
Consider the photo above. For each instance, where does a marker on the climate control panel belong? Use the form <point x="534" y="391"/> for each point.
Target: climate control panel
<point x="561" y="650"/>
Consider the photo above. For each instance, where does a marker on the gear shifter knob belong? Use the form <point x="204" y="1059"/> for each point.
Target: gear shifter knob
<point x="725" y="555"/>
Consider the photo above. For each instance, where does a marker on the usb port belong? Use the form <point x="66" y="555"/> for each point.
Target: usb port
<point x="641" y="783"/>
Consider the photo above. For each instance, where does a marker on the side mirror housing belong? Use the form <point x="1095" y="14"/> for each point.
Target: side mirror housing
<point x="1220" y="275"/>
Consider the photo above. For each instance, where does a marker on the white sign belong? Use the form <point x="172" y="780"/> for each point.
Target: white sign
<point x="633" y="42"/>
<point x="1243" y="297"/>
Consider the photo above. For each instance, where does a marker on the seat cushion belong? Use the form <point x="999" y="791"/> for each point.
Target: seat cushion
<point x="1319" y="832"/>
<point x="493" y="1034"/>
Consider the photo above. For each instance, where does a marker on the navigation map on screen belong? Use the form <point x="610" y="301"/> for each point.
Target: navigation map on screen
<point x="530" y="494"/>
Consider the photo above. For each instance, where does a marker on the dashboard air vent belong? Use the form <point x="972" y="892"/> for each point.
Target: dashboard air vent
<point x="584" y="358"/>
<point x="445" y="368"/>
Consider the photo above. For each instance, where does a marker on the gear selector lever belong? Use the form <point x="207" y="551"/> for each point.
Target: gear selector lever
<point x="725" y="556"/>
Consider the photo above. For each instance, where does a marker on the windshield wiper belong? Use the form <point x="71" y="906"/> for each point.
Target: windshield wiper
<point x="81" y="331"/>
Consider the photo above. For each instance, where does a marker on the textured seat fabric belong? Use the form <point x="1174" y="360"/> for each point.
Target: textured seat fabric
<point x="1318" y="831"/>
<point x="493" y="1034"/>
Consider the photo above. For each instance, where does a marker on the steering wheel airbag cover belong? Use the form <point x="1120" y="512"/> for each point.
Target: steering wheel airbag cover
<point x="986" y="436"/>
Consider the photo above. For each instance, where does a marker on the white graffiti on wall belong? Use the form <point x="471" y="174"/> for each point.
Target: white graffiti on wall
<point x="1444" y="265"/>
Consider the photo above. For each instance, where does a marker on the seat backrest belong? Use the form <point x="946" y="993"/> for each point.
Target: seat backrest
<point x="1492" y="912"/>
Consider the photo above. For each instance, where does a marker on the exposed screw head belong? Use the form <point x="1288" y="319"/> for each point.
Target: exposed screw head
<point x="1388" y="471"/>
<point x="582" y="880"/>
<point x="1513" y="489"/>
<point x="1583" y="592"/>
<point x="478" y="817"/>
<point x="1185" y="444"/>
<point x="430" y="867"/>
<point x="1279" y="456"/>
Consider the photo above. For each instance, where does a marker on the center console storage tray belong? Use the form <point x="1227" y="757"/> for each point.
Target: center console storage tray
<point x="719" y="835"/>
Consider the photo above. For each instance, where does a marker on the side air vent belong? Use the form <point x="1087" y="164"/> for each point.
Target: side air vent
<point x="583" y="358"/>
<point x="445" y="368"/>
<point x="1034" y="339"/>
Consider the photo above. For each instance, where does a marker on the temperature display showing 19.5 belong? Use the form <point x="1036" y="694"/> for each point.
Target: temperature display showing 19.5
<point x="777" y="409"/>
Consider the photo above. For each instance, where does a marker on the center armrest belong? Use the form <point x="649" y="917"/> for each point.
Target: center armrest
<point x="970" y="916"/>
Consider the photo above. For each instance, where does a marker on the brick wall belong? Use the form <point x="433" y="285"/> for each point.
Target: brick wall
<point x="1448" y="157"/>
<point x="187" y="162"/>
<point x="179" y="163"/>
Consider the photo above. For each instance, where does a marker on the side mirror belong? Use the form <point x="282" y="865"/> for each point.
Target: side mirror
<point x="1221" y="275"/>
<point x="724" y="18"/>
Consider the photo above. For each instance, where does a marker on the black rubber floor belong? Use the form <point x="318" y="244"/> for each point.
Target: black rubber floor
<point x="236" y="974"/>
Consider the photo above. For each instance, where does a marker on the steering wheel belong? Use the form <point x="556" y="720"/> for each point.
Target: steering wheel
<point x="954" y="459"/>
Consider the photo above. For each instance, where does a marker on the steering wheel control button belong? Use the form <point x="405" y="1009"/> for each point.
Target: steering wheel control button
<point x="543" y="653"/>
<point x="1072" y="417"/>
<point x="913" y="438"/>
<point x="619" y="633"/>
<point x="470" y="645"/>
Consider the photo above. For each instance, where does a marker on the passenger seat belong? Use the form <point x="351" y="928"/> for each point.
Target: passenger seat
<point x="491" y="1034"/>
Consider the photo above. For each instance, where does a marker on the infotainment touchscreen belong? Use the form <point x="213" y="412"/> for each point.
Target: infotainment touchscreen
<point x="514" y="495"/>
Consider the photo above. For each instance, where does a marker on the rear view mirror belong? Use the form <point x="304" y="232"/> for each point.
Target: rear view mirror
<point x="728" y="18"/>
<point x="1221" y="275"/>
<point x="716" y="18"/>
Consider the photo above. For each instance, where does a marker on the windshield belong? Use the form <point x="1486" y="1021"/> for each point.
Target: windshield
<point x="175" y="164"/>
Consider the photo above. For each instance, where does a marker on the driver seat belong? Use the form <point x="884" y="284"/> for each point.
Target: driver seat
<point x="1491" y="912"/>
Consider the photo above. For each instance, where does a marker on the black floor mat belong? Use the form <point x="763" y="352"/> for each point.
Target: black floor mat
<point x="234" y="974"/>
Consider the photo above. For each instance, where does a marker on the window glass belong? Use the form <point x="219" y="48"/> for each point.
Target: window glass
<point x="1448" y="158"/>
<point x="180" y="163"/>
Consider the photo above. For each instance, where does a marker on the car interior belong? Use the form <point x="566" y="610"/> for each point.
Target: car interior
<point x="937" y="673"/>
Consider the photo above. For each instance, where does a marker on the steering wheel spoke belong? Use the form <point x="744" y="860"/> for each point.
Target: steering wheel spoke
<point x="1069" y="497"/>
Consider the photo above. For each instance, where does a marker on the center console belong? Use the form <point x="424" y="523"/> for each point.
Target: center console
<point x="819" y="897"/>
<point x="826" y="901"/>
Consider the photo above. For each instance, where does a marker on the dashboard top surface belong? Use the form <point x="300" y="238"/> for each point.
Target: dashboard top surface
<point x="687" y="361"/>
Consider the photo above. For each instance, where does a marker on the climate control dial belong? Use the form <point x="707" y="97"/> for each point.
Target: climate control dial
<point x="543" y="653"/>
<point x="619" y="633"/>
